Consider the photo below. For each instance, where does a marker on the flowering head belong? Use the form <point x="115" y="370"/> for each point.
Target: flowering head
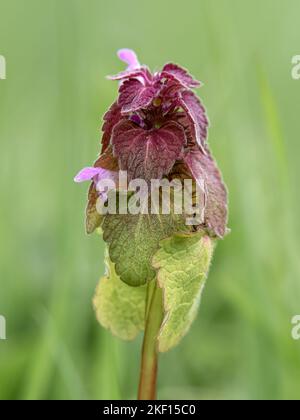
<point x="158" y="129"/>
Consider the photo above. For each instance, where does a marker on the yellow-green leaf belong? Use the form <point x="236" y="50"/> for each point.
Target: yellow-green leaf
<point x="120" y="308"/>
<point x="182" y="262"/>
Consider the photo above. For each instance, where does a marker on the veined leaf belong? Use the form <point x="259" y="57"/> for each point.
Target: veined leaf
<point x="182" y="262"/>
<point x="147" y="154"/>
<point x="134" y="95"/>
<point x="180" y="75"/>
<point x="216" y="211"/>
<point x="133" y="241"/>
<point x="197" y="115"/>
<point x="120" y="308"/>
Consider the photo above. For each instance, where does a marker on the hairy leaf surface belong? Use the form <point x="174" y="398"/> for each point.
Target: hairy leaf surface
<point x="147" y="154"/>
<point x="120" y="308"/>
<point x="197" y="115"/>
<point x="134" y="239"/>
<point x="134" y="95"/>
<point x="216" y="210"/>
<point x="182" y="262"/>
<point x="180" y="75"/>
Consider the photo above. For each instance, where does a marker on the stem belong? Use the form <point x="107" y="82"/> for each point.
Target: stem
<point x="148" y="376"/>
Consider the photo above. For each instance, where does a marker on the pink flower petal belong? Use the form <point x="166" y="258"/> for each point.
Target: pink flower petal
<point x="87" y="174"/>
<point x="129" y="57"/>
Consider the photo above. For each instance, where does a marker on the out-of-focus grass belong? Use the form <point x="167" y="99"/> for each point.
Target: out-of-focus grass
<point x="51" y="104"/>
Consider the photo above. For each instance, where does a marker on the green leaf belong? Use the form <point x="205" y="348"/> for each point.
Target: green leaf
<point x="133" y="241"/>
<point x="120" y="308"/>
<point x="183" y="262"/>
<point x="93" y="219"/>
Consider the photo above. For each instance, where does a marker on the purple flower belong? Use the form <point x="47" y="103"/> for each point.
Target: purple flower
<point x="156" y="126"/>
<point x="97" y="175"/>
<point x="129" y="57"/>
<point x="87" y="174"/>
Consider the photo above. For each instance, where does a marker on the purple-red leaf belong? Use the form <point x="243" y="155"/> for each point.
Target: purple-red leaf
<point x="197" y="116"/>
<point x="147" y="154"/>
<point x="107" y="161"/>
<point x="134" y="95"/>
<point x="111" y="118"/>
<point x="216" y="210"/>
<point x="132" y="74"/>
<point x="180" y="75"/>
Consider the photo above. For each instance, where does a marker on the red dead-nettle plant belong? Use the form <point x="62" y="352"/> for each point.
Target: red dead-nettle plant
<point x="156" y="264"/>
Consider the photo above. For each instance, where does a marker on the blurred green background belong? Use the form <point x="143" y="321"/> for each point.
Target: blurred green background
<point x="58" y="53"/>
